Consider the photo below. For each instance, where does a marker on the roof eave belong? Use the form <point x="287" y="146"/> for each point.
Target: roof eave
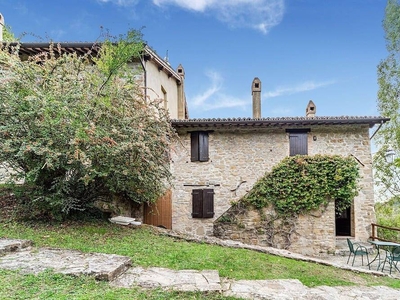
<point x="279" y="122"/>
<point x="84" y="47"/>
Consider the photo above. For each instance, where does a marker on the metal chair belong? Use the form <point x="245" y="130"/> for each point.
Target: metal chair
<point x="359" y="250"/>
<point x="392" y="257"/>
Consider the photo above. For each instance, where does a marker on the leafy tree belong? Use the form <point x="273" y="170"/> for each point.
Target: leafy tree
<point x="8" y="35"/>
<point x="387" y="214"/>
<point x="75" y="131"/>
<point x="388" y="175"/>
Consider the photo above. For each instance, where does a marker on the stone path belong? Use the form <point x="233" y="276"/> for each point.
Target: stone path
<point x="101" y="266"/>
<point x="20" y="255"/>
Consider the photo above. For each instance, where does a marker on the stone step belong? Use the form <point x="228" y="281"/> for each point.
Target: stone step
<point x="182" y="280"/>
<point x="293" y="289"/>
<point x="7" y="245"/>
<point x="101" y="266"/>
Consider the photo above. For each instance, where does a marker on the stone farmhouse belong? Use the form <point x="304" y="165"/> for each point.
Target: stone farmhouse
<point x="219" y="160"/>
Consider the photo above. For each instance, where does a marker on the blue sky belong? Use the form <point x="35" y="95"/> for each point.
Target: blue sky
<point x="321" y="50"/>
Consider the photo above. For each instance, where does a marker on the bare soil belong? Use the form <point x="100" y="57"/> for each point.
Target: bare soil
<point x="7" y="205"/>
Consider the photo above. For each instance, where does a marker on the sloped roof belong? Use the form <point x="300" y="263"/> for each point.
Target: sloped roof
<point x="82" y="48"/>
<point x="278" y="122"/>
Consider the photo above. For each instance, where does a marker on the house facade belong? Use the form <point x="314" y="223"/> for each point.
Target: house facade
<point x="217" y="161"/>
<point x="155" y="76"/>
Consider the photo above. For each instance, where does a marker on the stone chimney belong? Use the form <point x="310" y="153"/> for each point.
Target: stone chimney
<point x="182" y="109"/>
<point x="256" y="92"/>
<point x="311" y="109"/>
<point x="1" y="27"/>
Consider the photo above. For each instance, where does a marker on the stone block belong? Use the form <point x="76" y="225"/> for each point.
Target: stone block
<point x="101" y="266"/>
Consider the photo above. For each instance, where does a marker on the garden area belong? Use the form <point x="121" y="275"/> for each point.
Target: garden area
<point x="147" y="247"/>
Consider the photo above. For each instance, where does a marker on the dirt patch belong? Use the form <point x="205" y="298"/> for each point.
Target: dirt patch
<point x="7" y="205"/>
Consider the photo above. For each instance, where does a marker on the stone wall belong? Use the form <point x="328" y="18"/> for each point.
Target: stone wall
<point x="308" y="235"/>
<point x="6" y="172"/>
<point x="239" y="157"/>
<point x="3" y="173"/>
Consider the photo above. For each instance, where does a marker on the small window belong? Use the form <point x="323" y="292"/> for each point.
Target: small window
<point x="165" y="99"/>
<point x="203" y="203"/>
<point x="199" y="146"/>
<point x="298" y="143"/>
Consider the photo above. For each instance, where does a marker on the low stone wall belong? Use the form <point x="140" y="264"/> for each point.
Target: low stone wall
<point x="4" y="175"/>
<point x="6" y="172"/>
<point x="311" y="234"/>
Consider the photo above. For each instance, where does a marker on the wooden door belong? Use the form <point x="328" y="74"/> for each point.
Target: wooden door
<point x="343" y="223"/>
<point x="159" y="213"/>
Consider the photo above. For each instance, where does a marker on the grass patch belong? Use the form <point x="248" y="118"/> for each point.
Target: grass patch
<point x="149" y="249"/>
<point x="48" y="285"/>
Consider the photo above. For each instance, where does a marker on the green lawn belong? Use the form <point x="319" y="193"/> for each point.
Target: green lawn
<point x="147" y="248"/>
<point x="48" y="285"/>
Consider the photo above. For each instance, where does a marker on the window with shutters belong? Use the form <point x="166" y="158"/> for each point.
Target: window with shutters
<point x="298" y="143"/>
<point x="199" y="146"/>
<point x="203" y="203"/>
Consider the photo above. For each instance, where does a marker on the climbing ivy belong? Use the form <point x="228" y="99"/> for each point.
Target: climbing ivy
<point x="300" y="184"/>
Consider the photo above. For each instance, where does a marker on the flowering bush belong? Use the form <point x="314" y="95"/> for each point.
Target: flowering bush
<point x="75" y="130"/>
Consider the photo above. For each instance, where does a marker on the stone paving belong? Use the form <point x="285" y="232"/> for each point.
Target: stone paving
<point x="183" y="280"/>
<point x="20" y="255"/>
<point x="101" y="266"/>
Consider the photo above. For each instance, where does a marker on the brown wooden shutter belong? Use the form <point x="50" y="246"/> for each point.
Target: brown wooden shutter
<point x="208" y="203"/>
<point x="199" y="146"/>
<point x="203" y="203"/>
<point x="197" y="203"/>
<point x="194" y="143"/>
<point x="203" y="146"/>
<point x="298" y="143"/>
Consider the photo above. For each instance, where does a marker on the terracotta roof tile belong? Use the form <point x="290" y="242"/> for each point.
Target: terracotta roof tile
<point x="280" y="121"/>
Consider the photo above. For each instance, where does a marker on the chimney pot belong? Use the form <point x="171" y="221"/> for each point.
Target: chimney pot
<point x="311" y="109"/>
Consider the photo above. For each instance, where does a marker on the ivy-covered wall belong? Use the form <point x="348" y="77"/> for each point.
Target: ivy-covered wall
<point x="294" y="205"/>
<point x="310" y="234"/>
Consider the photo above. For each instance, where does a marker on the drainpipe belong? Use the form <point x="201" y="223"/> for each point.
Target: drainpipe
<point x="143" y="63"/>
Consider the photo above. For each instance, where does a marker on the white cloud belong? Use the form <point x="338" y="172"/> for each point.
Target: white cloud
<point x="261" y="15"/>
<point x="216" y="83"/>
<point x="213" y="98"/>
<point x="120" y="2"/>
<point x="196" y="5"/>
<point x="302" y="87"/>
